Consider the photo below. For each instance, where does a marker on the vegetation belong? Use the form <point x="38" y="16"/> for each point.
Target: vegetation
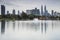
<point x="24" y="16"/>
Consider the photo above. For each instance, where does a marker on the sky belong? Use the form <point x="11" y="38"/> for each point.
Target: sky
<point x="30" y="4"/>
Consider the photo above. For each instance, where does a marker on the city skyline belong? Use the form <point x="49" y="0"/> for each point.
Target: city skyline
<point x="30" y="4"/>
<point x="40" y="12"/>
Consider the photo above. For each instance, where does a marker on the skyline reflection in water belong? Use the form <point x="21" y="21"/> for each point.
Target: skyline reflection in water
<point x="30" y="30"/>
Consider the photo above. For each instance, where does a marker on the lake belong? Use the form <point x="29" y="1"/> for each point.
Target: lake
<point x="30" y="30"/>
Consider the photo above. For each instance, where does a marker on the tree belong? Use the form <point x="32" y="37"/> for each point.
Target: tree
<point x="24" y="15"/>
<point x="31" y="16"/>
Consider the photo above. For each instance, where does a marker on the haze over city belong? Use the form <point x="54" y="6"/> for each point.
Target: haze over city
<point x="30" y="4"/>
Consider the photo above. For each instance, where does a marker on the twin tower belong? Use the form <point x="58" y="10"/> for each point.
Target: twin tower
<point x="45" y="12"/>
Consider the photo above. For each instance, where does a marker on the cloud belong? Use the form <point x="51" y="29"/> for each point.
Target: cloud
<point x="25" y="4"/>
<point x="17" y="2"/>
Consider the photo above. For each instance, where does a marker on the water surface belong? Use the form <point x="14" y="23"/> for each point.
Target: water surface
<point x="30" y="30"/>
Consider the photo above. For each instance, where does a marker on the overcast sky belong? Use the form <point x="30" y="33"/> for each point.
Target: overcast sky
<point x="31" y="4"/>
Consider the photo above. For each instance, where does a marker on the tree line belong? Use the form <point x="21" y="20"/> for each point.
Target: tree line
<point x="24" y="16"/>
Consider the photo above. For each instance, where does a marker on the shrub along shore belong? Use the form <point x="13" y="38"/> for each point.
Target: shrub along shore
<point x="24" y="16"/>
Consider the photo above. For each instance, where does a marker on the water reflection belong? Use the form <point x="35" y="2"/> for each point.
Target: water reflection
<point x="13" y="25"/>
<point x="44" y="26"/>
<point x="29" y="25"/>
<point x="7" y="24"/>
<point x="25" y="25"/>
<point x="18" y="25"/>
<point x="2" y="26"/>
<point x="30" y="28"/>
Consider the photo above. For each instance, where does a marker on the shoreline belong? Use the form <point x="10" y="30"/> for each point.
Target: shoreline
<point x="24" y="20"/>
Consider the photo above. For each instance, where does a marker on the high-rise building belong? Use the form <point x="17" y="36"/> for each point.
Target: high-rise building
<point x="2" y="10"/>
<point x="33" y="11"/>
<point x="55" y="14"/>
<point x="58" y="14"/>
<point x="45" y="8"/>
<point x="13" y="11"/>
<point x="45" y="11"/>
<point x="42" y="10"/>
<point x="52" y="12"/>
<point x="28" y="12"/>
<point x="7" y="12"/>
<point x="18" y="12"/>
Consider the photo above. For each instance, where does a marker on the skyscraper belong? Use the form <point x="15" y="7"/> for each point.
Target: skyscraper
<point x="18" y="12"/>
<point x="35" y="12"/>
<point x="13" y="11"/>
<point x="2" y="26"/>
<point x="42" y="10"/>
<point x="2" y="10"/>
<point x="7" y="12"/>
<point x="28" y="12"/>
<point x="45" y="11"/>
<point x="45" y="8"/>
<point x="52" y="12"/>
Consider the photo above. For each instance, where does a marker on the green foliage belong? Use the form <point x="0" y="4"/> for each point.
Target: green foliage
<point x="24" y="15"/>
<point x="31" y="16"/>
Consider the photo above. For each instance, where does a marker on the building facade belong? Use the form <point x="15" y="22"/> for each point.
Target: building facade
<point x="13" y="11"/>
<point x="7" y="12"/>
<point x="28" y="12"/>
<point x="2" y="10"/>
<point x="41" y="10"/>
<point x="33" y="11"/>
